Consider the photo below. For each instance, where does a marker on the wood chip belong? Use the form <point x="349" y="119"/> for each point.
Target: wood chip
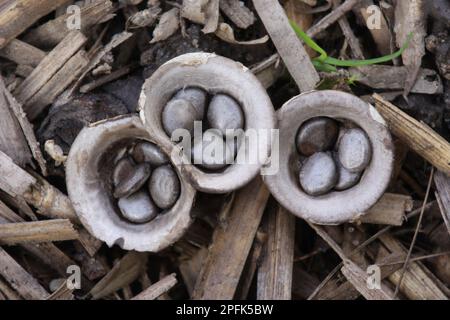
<point x="417" y="135"/>
<point x="389" y="210"/>
<point x="231" y="244"/>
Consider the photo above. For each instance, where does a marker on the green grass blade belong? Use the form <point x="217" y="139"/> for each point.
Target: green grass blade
<point x="323" y="66"/>
<point x="358" y="63"/>
<point x="309" y="42"/>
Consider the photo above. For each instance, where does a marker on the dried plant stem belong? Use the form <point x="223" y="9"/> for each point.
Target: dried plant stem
<point x="413" y="242"/>
<point x="362" y="246"/>
<point x="332" y="17"/>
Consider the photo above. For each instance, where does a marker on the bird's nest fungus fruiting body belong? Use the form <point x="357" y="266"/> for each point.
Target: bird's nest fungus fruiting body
<point x="225" y="97"/>
<point x="125" y="189"/>
<point x="335" y="157"/>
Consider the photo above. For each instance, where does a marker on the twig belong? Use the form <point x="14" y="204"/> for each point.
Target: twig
<point x="157" y="289"/>
<point x="288" y="46"/>
<point x="361" y="246"/>
<point x="332" y="17"/>
<point x="413" y="242"/>
<point x="428" y="256"/>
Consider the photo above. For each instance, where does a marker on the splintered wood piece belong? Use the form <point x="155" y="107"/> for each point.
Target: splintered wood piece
<point x="56" y="85"/>
<point x="36" y="191"/>
<point x="238" y="13"/>
<point x="128" y="269"/>
<point x="37" y="231"/>
<point x="275" y="273"/>
<point x="157" y="289"/>
<point x="22" y="53"/>
<point x="19" y="279"/>
<point x="231" y="244"/>
<point x="416" y="283"/>
<point x="52" y="32"/>
<point x="358" y="278"/>
<point x="25" y="125"/>
<point x="389" y="210"/>
<point x="442" y="183"/>
<point x="417" y="135"/>
<point x="16" y="16"/>
<point x="287" y="43"/>
<point x="12" y="139"/>
<point x="52" y="62"/>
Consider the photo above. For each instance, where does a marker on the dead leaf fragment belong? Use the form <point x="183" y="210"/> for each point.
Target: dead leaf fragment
<point x="194" y="10"/>
<point x="212" y="16"/>
<point x="167" y="26"/>
<point x="226" y="33"/>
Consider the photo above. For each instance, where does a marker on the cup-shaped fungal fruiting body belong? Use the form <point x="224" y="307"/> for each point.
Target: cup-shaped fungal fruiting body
<point x="124" y="187"/>
<point x="233" y="113"/>
<point x="335" y="157"/>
